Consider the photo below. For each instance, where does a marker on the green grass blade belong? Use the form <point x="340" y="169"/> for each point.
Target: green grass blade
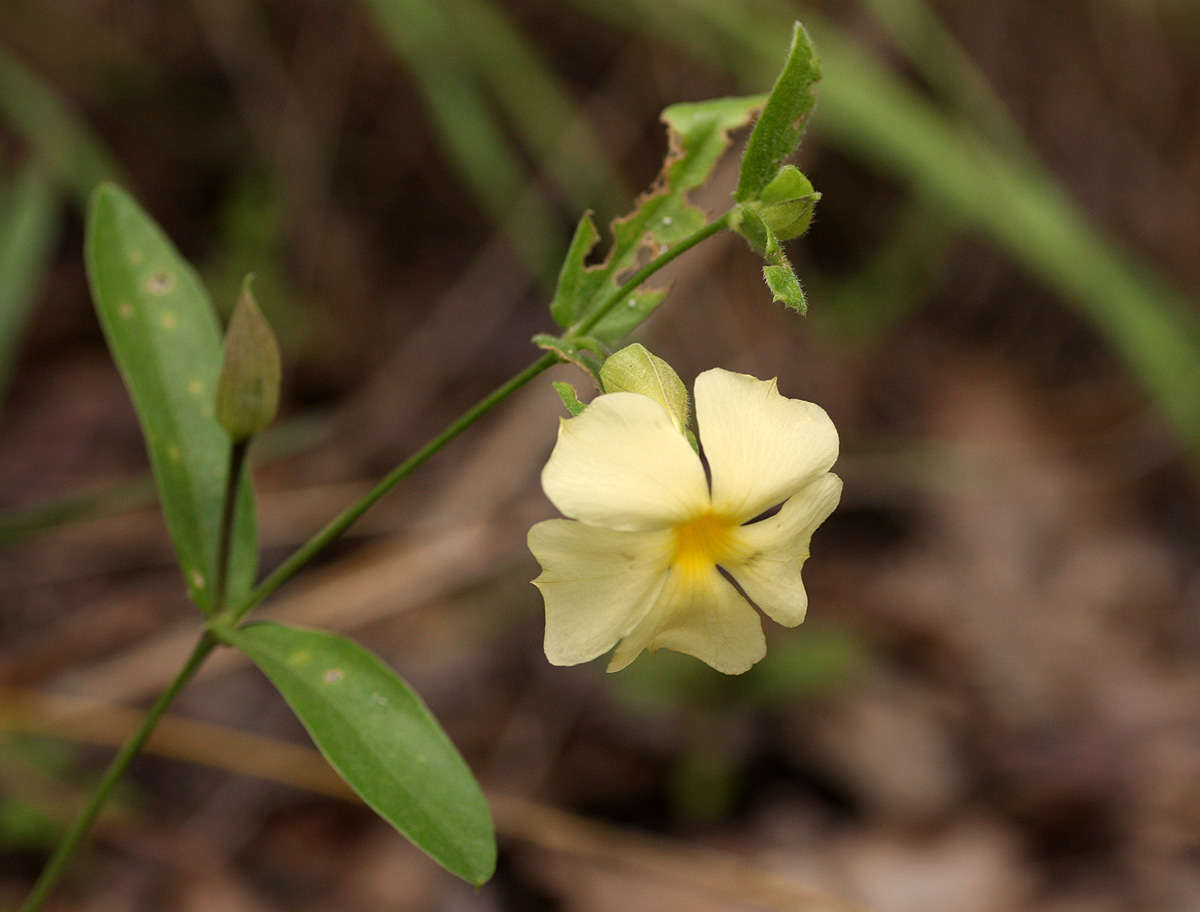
<point x="930" y="46"/>
<point x="29" y="220"/>
<point x="539" y="108"/>
<point x="164" y="338"/>
<point x="375" y="731"/>
<point x="422" y="35"/>
<point x="71" y="152"/>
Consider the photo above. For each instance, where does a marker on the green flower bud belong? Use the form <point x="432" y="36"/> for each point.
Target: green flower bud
<point x="248" y="388"/>
<point x="634" y="369"/>
<point x="787" y="203"/>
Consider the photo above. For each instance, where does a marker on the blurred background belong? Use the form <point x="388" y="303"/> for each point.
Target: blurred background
<point x="995" y="702"/>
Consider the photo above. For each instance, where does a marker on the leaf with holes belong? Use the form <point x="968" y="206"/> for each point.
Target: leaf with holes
<point x="375" y="731"/>
<point x="164" y="338"/>
<point x="697" y="133"/>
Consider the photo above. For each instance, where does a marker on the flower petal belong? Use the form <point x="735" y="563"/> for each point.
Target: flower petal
<point x="778" y="547"/>
<point x="597" y="584"/>
<point x="704" y="617"/>
<point x="761" y="447"/>
<point x="623" y="465"/>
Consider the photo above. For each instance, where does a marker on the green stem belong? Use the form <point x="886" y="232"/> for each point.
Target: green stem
<point x="233" y="482"/>
<point x="701" y="234"/>
<point x="79" y="828"/>
<point x="347" y="517"/>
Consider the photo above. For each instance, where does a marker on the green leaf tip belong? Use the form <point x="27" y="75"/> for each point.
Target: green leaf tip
<point x="248" y="388"/>
<point x="635" y="369"/>
<point x="781" y="124"/>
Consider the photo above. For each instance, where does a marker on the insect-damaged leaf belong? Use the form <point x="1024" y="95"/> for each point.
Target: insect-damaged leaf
<point x="698" y="133"/>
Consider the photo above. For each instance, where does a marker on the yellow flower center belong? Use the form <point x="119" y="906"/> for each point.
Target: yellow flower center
<point x="701" y="543"/>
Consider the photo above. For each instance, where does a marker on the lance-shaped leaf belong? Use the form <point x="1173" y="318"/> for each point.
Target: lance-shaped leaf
<point x="698" y="133"/>
<point x="781" y="124"/>
<point x="163" y="336"/>
<point x="375" y="731"/>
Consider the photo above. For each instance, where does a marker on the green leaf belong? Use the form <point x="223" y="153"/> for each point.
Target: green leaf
<point x="28" y="226"/>
<point x="781" y="124"/>
<point x="569" y="397"/>
<point x="628" y="315"/>
<point x="567" y="295"/>
<point x="164" y="339"/>
<point x="697" y="134"/>
<point x="375" y="731"/>
<point x="635" y="369"/>
<point x="778" y="273"/>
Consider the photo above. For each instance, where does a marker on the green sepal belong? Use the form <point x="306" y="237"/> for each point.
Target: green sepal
<point x="636" y="369"/>
<point x="570" y="399"/>
<point x="781" y="124"/>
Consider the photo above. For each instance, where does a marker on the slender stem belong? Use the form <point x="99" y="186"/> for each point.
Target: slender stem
<point x="701" y="234"/>
<point x="233" y="482"/>
<point x="80" y="826"/>
<point x="347" y="517"/>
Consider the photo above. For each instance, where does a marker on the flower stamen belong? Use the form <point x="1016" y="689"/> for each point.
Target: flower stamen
<point x="701" y="544"/>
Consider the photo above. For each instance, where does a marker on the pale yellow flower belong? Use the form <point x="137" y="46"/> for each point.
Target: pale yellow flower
<point x="638" y="560"/>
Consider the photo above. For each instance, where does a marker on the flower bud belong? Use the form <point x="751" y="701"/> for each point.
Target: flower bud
<point x="634" y="369"/>
<point x="787" y="203"/>
<point x="248" y="388"/>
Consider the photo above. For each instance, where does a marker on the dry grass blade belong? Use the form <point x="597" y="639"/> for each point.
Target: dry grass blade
<point x="720" y="874"/>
